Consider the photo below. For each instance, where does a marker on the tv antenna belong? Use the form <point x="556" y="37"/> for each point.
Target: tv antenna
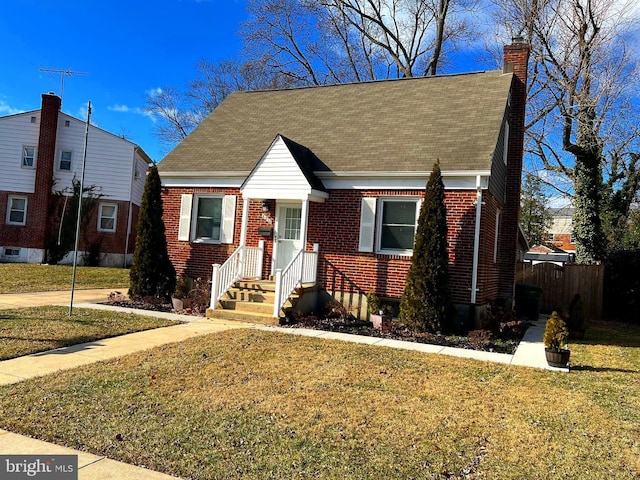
<point x="62" y="73"/>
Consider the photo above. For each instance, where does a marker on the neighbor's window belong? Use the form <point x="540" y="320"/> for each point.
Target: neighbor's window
<point x="208" y="218"/>
<point x="29" y="157"/>
<point x="397" y="225"/>
<point x="17" y="210"/>
<point x="107" y="217"/>
<point x="65" y="160"/>
<point x="11" y="252"/>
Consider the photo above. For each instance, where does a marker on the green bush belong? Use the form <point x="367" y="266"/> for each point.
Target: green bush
<point x="556" y="333"/>
<point x="426" y="302"/>
<point x="152" y="274"/>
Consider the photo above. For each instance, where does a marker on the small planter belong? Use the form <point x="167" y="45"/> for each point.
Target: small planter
<point x="177" y="304"/>
<point x="557" y="358"/>
<point x="381" y="322"/>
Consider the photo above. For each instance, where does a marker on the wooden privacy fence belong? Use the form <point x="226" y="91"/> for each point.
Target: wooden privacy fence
<point x="560" y="284"/>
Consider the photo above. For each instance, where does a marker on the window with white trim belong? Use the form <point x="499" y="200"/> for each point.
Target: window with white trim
<point x="16" y="210"/>
<point x="396" y="225"/>
<point x="495" y="239"/>
<point x="65" y="160"/>
<point x="107" y="215"/>
<point x="28" y="157"/>
<point x="505" y="143"/>
<point x="207" y="218"/>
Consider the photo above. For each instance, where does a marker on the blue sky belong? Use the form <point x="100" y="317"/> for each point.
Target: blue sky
<point x="126" y="47"/>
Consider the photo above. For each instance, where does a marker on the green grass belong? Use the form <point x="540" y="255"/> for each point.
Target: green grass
<point x="30" y="330"/>
<point x="23" y="278"/>
<point x="250" y="404"/>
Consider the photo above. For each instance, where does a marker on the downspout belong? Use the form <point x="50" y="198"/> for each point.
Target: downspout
<point x="476" y="240"/>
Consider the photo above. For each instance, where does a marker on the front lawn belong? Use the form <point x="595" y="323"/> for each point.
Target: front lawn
<point x="253" y="404"/>
<point x="24" y="277"/>
<point x="30" y="330"/>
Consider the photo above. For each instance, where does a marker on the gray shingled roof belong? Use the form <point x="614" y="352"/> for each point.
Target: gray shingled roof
<point x="394" y="125"/>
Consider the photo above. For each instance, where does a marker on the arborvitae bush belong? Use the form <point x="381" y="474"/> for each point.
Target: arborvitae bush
<point x="426" y="301"/>
<point x="152" y="273"/>
<point x="556" y="333"/>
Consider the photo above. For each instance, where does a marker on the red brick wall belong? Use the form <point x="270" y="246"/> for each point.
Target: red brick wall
<point x="335" y="225"/>
<point x="195" y="260"/>
<point x="30" y="235"/>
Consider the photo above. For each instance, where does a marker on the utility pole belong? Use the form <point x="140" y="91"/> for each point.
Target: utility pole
<point x="62" y="73"/>
<point x="75" y="250"/>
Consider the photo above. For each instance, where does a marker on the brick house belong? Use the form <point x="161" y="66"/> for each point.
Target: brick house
<point x="327" y="182"/>
<point x="41" y="152"/>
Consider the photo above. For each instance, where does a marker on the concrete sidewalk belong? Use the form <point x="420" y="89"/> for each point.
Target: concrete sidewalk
<point x="530" y="353"/>
<point x="40" y="299"/>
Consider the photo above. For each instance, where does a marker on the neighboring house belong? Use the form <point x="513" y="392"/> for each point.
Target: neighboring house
<point x="549" y="253"/>
<point x="333" y="177"/>
<point x="561" y="233"/>
<point x="41" y="152"/>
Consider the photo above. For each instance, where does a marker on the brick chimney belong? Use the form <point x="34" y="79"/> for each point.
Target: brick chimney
<point x="516" y="58"/>
<point x="45" y="160"/>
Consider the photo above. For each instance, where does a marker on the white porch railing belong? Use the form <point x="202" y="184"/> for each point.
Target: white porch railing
<point x="302" y="269"/>
<point x="244" y="262"/>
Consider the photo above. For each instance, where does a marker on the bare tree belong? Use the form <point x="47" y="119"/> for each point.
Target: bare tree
<point x="177" y="112"/>
<point x="582" y="91"/>
<point x="334" y="41"/>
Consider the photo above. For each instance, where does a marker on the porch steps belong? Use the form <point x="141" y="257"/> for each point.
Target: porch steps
<point x="252" y="301"/>
<point x="248" y="301"/>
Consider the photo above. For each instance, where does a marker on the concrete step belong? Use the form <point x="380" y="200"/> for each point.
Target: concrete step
<point x="249" y="317"/>
<point x="247" y="306"/>
<point x="246" y="295"/>
<point x="257" y="285"/>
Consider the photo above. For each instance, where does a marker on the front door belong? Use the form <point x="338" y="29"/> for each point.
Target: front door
<point x="288" y="239"/>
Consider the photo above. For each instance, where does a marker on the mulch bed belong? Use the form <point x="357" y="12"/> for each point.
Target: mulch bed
<point x="483" y="340"/>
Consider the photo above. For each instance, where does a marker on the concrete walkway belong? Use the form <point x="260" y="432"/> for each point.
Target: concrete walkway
<point x="530" y="353"/>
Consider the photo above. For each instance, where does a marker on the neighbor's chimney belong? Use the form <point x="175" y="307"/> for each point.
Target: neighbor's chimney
<point x="516" y="58"/>
<point x="45" y="160"/>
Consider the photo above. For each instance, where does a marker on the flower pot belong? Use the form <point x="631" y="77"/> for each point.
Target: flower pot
<point x="177" y="304"/>
<point x="381" y="322"/>
<point x="557" y="358"/>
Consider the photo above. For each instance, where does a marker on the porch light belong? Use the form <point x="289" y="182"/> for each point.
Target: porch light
<point x="265" y="206"/>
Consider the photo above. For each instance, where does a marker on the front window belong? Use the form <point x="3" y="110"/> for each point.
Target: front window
<point x="208" y="218"/>
<point x="29" y="157"/>
<point x="397" y="226"/>
<point x="107" y="217"/>
<point x="65" y="160"/>
<point x="17" y="210"/>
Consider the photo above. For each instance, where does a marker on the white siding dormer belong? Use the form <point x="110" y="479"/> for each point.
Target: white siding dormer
<point x="278" y="175"/>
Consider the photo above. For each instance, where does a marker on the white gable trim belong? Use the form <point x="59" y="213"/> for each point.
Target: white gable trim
<point x="278" y="175"/>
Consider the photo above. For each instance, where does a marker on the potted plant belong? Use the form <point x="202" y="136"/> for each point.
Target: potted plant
<point x="555" y="339"/>
<point x="379" y="314"/>
<point x="576" y="317"/>
<point x="180" y="294"/>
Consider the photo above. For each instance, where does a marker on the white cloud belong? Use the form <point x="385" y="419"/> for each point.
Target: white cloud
<point x="135" y="110"/>
<point x="119" y="108"/>
<point x="154" y="92"/>
<point x="7" y="109"/>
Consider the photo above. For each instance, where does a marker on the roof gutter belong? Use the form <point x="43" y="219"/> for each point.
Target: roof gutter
<point x="476" y="240"/>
